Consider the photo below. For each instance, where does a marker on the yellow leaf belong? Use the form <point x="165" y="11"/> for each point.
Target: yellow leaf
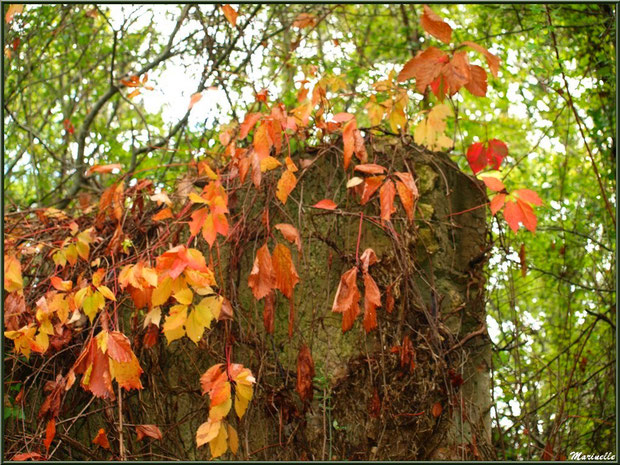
<point x="219" y="445"/>
<point x="241" y="405"/>
<point x="173" y="326"/>
<point x="12" y="274"/>
<point x="195" y="198"/>
<point x="78" y="297"/>
<point x="286" y="184"/>
<point x="184" y="296"/>
<point x="83" y="249"/>
<point x="127" y="374"/>
<point x="162" y="292"/>
<point x="153" y="317"/>
<point x="102" y="341"/>
<point x="207" y="432"/>
<point x="220" y="410"/>
<point x="233" y="439"/>
<point x="59" y="259"/>
<point x="194" y="326"/>
<point x="211" y="304"/>
<point x="71" y="253"/>
<point x="430" y="132"/>
<point x="269" y="163"/>
<point x="150" y="276"/>
<point x="106" y="292"/>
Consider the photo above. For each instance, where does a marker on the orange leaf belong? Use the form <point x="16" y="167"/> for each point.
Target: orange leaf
<point x="492" y="60"/>
<point x="230" y="14"/>
<point x="493" y="183"/>
<point x="370" y="168"/>
<point x="304" y="20"/>
<point x="163" y="214"/>
<point x="425" y="67"/>
<point x="497" y="203"/>
<point x="305" y="374"/>
<point x="262" y="278"/>
<point x="248" y="123"/>
<point x="103" y="168"/>
<point x="50" y="432"/>
<point x="370" y="186"/>
<point x="262" y="142"/>
<point x="435" y="26"/>
<point x="290" y="233"/>
<point x="11" y="11"/>
<point x="133" y="94"/>
<point x="406" y="198"/>
<point x="269" y="313"/>
<point x="195" y="98"/>
<point x="528" y="196"/>
<point x="372" y="300"/>
<point x="386" y="195"/>
<point x="286" y="184"/>
<point x="348" y="140"/>
<point x="325" y="204"/>
<point x="61" y="285"/>
<point x="456" y="73"/>
<point x="477" y="84"/>
<point x="286" y="276"/>
<point x="101" y="439"/>
<point x="151" y="431"/>
<point x="437" y="409"/>
<point x="119" y="347"/>
<point x="346" y="300"/>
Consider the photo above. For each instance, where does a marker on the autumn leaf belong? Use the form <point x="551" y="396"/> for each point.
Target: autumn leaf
<point x="492" y="60"/>
<point x="163" y="214"/>
<point x="492" y="180"/>
<point x="13" y="280"/>
<point x="248" y="123"/>
<point x="436" y="409"/>
<point x="348" y="140"/>
<point x="430" y="132"/>
<point x="435" y="26"/>
<point x="346" y="300"/>
<point x="61" y="285"/>
<point x="497" y="203"/>
<point x="285" y="186"/>
<point x="13" y="10"/>
<point x="151" y="431"/>
<point x="386" y="197"/>
<point x="290" y="233"/>
<point x="50" y="432"/>
<point x="305" y="374"/>
<point x="370" y="168"/>
<point x="408" y="192"/>
<point x="371" y="185"/>
<point x="477" y="84"/>
<point x="101" y="439"/>
<point x="425" y="67"/>
<point x="262" y="277"/>
<point x="326" y="204"/>
<point x="195" y="98"/>
<point x="103" y="168"/>
<point x="304" y="20"/>
<point x="286" y="276"/>
<point x="230" y="14"/>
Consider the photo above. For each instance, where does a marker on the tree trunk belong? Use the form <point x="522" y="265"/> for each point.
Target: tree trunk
<point x="366" y="405"/>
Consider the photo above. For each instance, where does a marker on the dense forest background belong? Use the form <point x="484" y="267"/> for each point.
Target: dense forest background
<point x="70" y="105"/>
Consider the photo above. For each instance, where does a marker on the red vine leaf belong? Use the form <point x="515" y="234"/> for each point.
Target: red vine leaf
<point x="290" y="233"/>
<point x="286" y="276"/>
<point x="386" y="196"/>
<point x="231" y="14"/>
<point x="346" y="300"/>
<point x="101" y="439"/>
<point x="325" y="204"/>
<point x="151" y="431"/>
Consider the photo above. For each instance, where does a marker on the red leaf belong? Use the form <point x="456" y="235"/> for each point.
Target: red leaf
<point x="477" y="84"/>
<point x="435" y="26"/>
<point x="342" y="117"/>
<point x="286" y="276"/>
<point x="50" y="432"/>
<point x="496" y="152"/>
<point x="28" y="456"/>
<point x="528" y="217"/>
<point x="198" y="220"/>
<point x="101" y="439"/>
<point x="512" y="215"/>
<point x="325" y="204"/>
<point x="386" y="195"/>
<point x="425" y="67"/>
<point x="368" y="258"/>
<point x="372" y="300"/>
<point x="151" y="431"/>
<point x="437" y="409"/>
<point x="262" y="278"/>
<point x="374" y="406"/>
<point x="389" y="299"/>
<point x="305" y="374"/>
<point x="406" y="198"/>
<point x="476" y="157"/>
<point x="370" y="168"/>
<point x="262" y="142"/>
